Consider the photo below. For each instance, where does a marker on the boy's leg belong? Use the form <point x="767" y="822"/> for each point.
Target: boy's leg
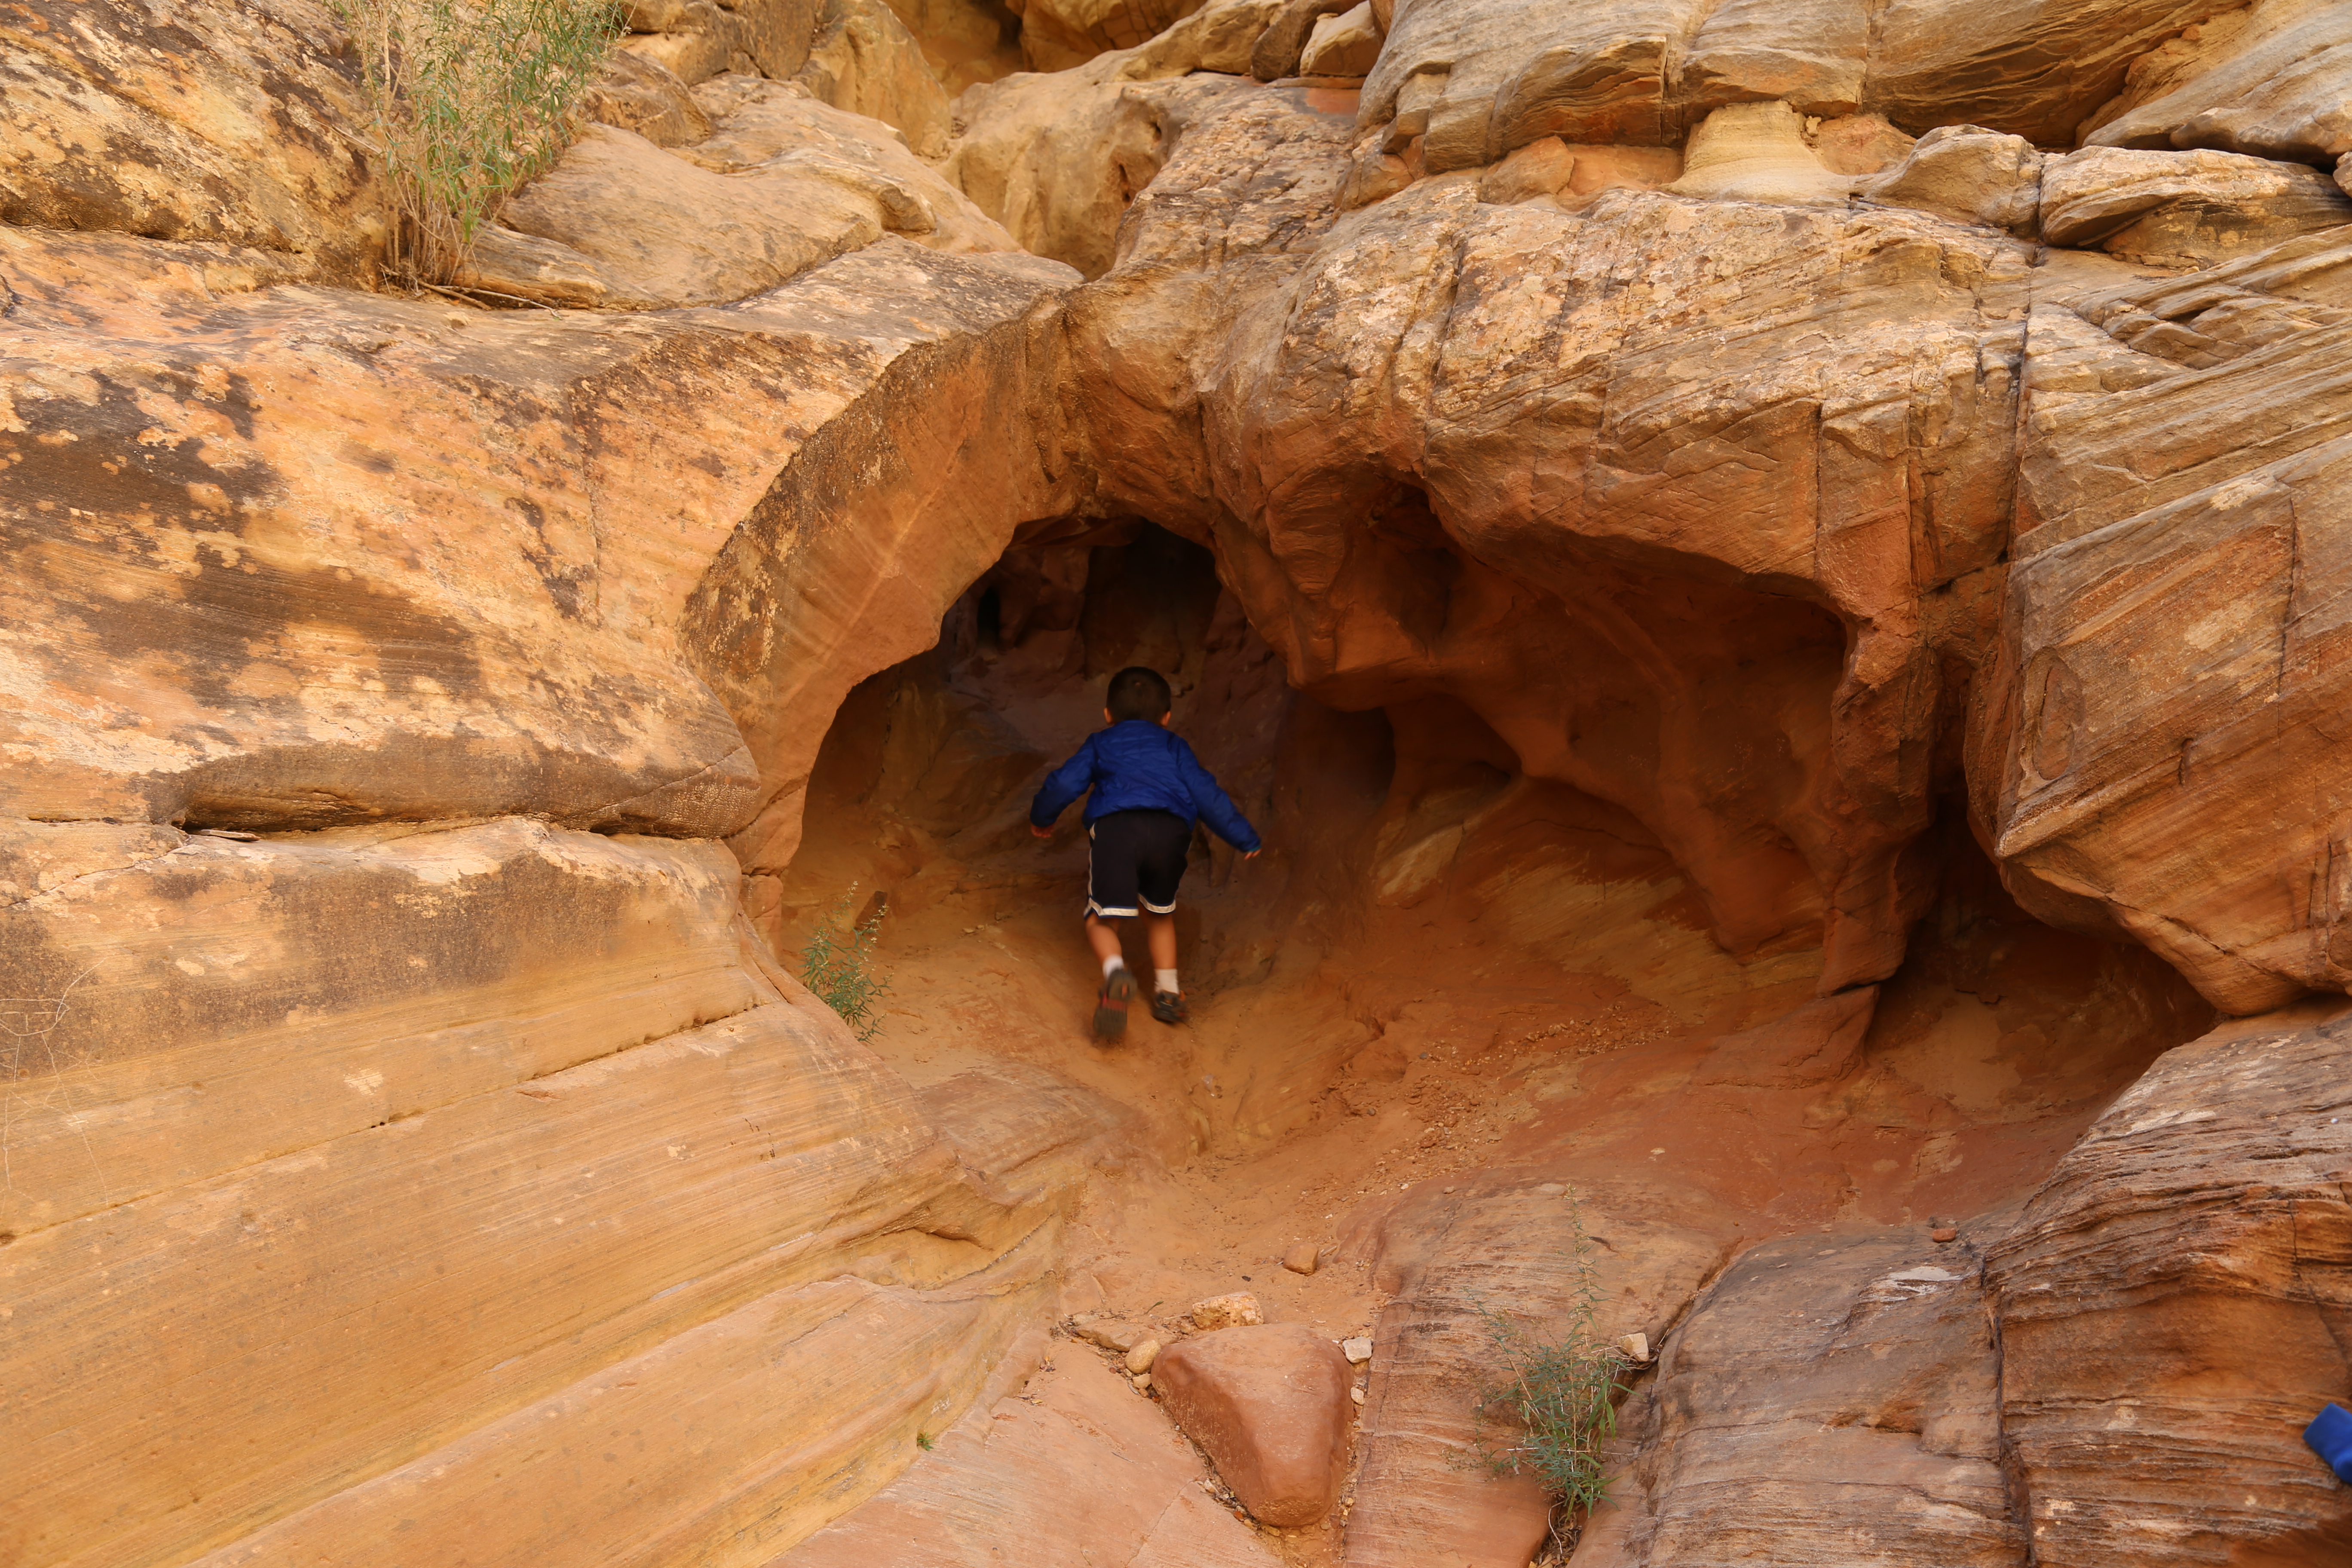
<point x="1162" y="869"/>
<point x="1111" y="898"/>
<point x="1117" y="985"/>
<point x="1167" y="997"/>
<point x="1102" y="935"/>
<point x="1159" y="934"/>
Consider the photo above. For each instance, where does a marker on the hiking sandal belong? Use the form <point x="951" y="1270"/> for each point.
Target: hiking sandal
<point x="1168" y="1006"/>
<point x="1110" y="1004"/>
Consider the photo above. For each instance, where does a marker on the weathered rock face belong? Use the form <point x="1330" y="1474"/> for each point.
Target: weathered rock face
<point x="1968" y="175"/>
<point x="2173" y="1310"/>
<point x="2200" y="207"/>
<point x="1478" y="78"/>
<point x="2162" y="744"/>
<point x="697" y="40"/>
<point x="197" y="122"/>
<point x="864" y="61"/>
<point x="776" y="185"/>
<point x="2268" y="80"/>
<point x="1832" y="1398"/>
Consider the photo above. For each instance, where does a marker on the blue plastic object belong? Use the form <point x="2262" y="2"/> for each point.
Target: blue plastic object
<point x="2331" y="1437"/>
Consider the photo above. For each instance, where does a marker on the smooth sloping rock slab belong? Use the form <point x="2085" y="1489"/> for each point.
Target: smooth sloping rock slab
<point x="1269" y="1404"/>
<point x="1075" y="1472"/>
<point x="217" y="1010"/>
<point x="233" y="1349"/>
<point x="718" y="1447"/>
<point x="2176" y="1305"/>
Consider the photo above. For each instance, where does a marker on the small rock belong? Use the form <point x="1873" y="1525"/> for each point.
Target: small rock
<point x="1635" y="1346"/>
<point x="1943" y="1233"/>
<point x="1141" y="1358"/>
<point x="1238" y="1310"/>
<point x="1118" y="1334"/>
<point x="1142" y="1381"/>
<point x="1357" y="1395"/>
<point x="1357" y="1350"/>
<point x="1304" y="1258"/>
<point x="1552" y="1189"/>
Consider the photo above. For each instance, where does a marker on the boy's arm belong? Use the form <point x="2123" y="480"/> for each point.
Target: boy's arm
<point x="1062" y="786"/>
<point x="1216" y="807"/>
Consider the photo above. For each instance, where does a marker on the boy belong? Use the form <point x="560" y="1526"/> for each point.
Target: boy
<point x="1148" y="790"/>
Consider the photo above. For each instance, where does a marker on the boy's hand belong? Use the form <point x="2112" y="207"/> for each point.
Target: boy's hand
<point x="1251" y="854"/>
<point x="1038" y="832"/>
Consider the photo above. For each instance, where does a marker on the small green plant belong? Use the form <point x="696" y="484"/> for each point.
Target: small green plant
<point x="466" y="100"/>
<point x="1555" y="1402"/>
<point x="924" y="1441"/>
<point x="837" y="964"/>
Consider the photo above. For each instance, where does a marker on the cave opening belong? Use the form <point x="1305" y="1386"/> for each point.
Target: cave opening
<point x="1463" y="1014"/>
<point x="1445" y="960"/>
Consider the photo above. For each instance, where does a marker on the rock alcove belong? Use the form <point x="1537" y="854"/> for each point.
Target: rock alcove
<point x="1772" y="574"/>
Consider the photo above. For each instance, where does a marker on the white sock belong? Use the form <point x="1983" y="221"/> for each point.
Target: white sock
<point x="1165" y="979"/>
<point x="1112" y="965"/>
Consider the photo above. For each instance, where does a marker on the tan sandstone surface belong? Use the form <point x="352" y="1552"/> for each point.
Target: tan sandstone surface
<point x="1772" y="574"/>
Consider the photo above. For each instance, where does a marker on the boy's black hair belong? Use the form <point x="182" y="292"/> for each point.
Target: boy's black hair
<point x="1139" y="691"/>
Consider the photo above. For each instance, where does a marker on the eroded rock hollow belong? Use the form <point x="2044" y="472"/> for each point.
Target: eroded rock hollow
<point x="1776" y="578"/>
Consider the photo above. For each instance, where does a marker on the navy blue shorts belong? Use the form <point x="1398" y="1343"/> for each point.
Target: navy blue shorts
<point x="1135" y="857"/>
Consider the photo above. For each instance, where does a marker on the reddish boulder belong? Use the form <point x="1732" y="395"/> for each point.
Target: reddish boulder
<point x="1269" y="1403"/>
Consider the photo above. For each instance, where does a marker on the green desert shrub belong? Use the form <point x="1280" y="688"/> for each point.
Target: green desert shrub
<point x="1553" y="1400"/>
<point x="466" y="100"/>
<point x="837" y="964"/>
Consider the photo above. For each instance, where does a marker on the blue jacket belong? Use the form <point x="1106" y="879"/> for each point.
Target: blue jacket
<point x="1136" y="765"/>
